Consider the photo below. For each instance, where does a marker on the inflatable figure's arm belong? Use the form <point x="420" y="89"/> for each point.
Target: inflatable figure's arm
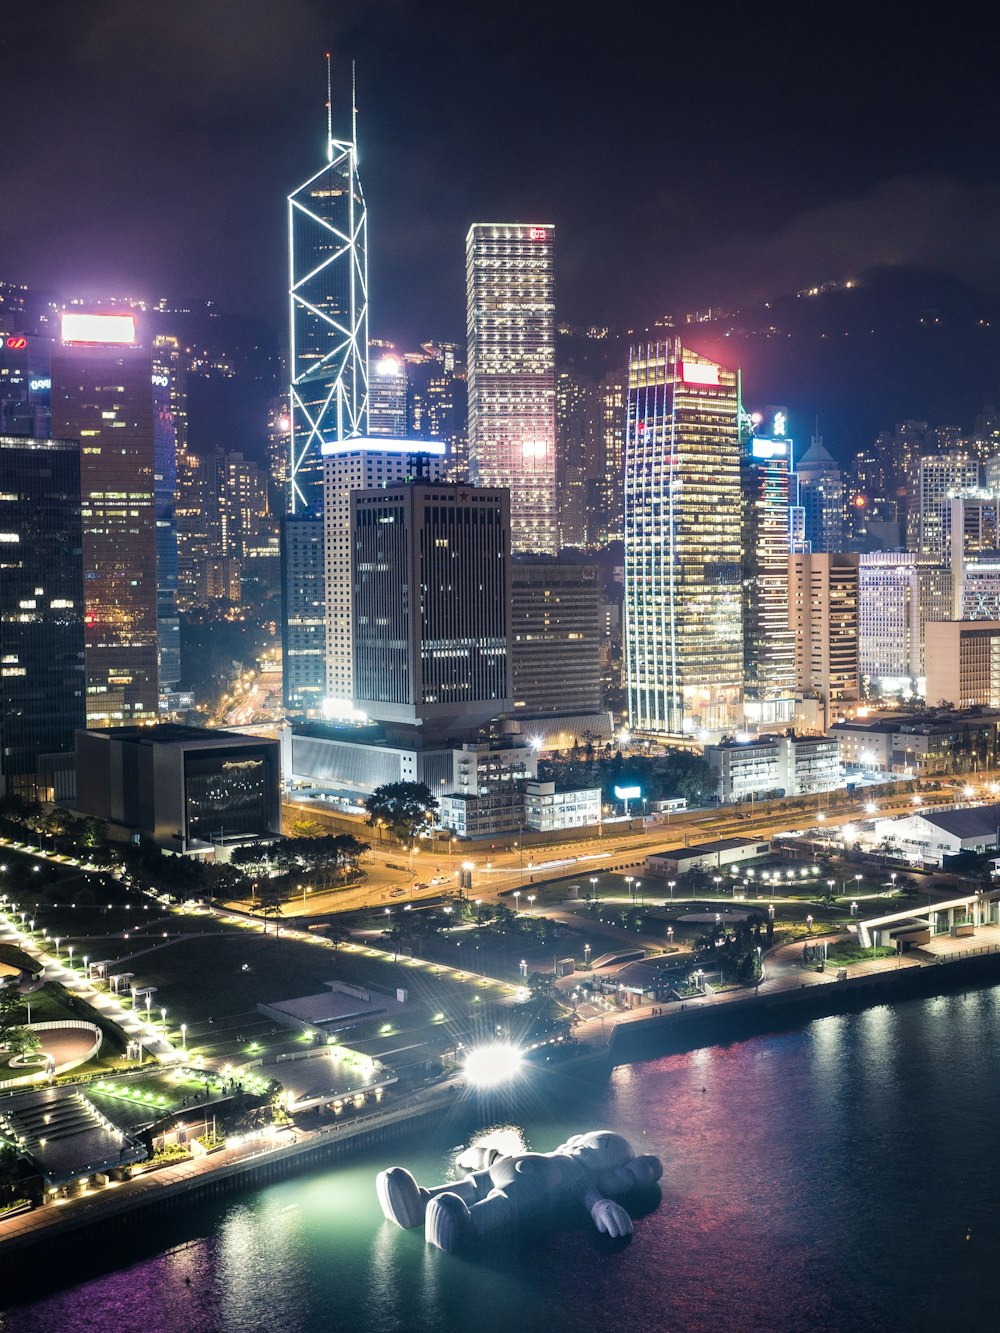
<point x="477" y="1158"/>
<point x="609" y="1217"/>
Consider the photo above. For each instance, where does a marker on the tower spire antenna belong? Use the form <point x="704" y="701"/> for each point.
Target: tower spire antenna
<point x="354" y="107"/>
<point x="329" y="112"/>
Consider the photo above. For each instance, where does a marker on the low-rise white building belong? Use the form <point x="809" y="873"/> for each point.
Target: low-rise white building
<point x="774" y="765"/>
<point x="705" y="856"/>
<point x="932" y="835"/>
<point x="547" y="808"/>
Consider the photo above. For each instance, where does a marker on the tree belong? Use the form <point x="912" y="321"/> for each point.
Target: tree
<point x="308" y="828"/>
<point x="22" y="1041"/>
<point x="17" y="1040"/>
<point x="403" y="807"/>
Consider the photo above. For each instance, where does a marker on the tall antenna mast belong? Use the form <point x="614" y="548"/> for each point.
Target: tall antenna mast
<point x="329" y="112"/>
<point x="354" y="108"/>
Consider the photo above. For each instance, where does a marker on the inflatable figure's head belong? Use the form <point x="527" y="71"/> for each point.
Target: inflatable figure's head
<point x="609" y="1159"/>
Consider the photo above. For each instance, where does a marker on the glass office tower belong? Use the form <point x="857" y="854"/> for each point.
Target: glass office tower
<point x="42" y="675"/>
<point x="683" y="622"/>
<point x="512" y="393"/>
<point x="768" y="640"/>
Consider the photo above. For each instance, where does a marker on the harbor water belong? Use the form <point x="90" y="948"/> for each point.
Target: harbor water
<point x="838" y="1175"/>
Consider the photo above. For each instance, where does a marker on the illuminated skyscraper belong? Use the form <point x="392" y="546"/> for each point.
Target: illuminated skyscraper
<point x="102" y="396"/>
<point x="768" y="641"/>
<point x="511" y="335"/>
<point x="328" y="314"/>
<point x="169" y="439"/>
<point x="823" y="602"/>
<point x="683" y="577"/>
<point x="821" y="497"/>
<point x="386" y="392"/>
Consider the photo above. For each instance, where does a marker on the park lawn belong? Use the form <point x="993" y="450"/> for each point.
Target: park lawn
<point x="12" y="956"/>
<point x="202" y="978"/>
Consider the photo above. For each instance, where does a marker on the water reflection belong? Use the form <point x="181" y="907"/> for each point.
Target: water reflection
<point x="824" y="1176"/>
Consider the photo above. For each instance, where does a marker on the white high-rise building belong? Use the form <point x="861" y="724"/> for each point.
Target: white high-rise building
<point x="358" y="465"/>
<point x="936" y="477"/>
<point x="511" y="367"/>
<point x="386" y="393"/>
<point x="768" y="641"/>
<point x="890" y="631"/>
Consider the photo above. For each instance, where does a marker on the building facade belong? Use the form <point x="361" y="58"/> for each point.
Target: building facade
<point x="102" y="396"/>
<point x="963" y="663"/>
<point x="683" y="555"/>
<point x="430" y="567"/>
<point x="556" y="636"/>
<point x="774" y="766"/>
<point x="387" y="392"/>
<point x="169" y="438"/>
<point x="821" y="498"/>
<point x="824" y="618"/>
<point x="511" y="374"/>
<point x="303" y="581"/>
<point x="357" y="465"/>
<point x="42" y="674"/>
<point x="188" y="789"/>
<point x="935" y="477"/>
<point x="768" y="642"/>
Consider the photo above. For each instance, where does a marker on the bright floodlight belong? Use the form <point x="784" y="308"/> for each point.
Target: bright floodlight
<point x="497" y="1062"/>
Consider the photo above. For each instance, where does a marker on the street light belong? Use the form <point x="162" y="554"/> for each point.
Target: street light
<point x="184" y="1036"/>
<point x="628" y="881"/>
<point x="593" y="886"/>
<point x="809" y="922"/>
<point x="517" y="894"/>
<point x="531" y="901"/>
<point x="586" y="954"/>
<point x="670" y="935"/>
<point x="671" y="883"/>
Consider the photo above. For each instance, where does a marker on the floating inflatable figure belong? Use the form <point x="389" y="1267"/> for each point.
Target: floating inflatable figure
<point x="504" y="1191"/>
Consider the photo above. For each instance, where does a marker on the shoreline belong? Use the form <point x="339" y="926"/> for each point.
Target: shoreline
<point x="34" y="1236"/>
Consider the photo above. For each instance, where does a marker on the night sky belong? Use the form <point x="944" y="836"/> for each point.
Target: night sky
<point x="688" y="154"/>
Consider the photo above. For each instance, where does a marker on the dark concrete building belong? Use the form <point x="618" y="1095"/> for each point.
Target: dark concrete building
<point x="556" y="637"/>
<point x="188" y="789"/>
<point x="42" y="679"/>
<point x="430" y="566"/>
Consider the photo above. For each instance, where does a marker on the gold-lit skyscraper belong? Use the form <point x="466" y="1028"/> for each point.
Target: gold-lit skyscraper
<point x="511" y="333"/>
<point x="683" y="622"/>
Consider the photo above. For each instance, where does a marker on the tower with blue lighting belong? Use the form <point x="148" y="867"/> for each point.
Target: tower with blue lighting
<point x="328" y="314"/>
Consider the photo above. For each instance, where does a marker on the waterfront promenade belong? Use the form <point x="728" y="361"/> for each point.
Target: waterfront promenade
<point x="257" y="1159"/>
